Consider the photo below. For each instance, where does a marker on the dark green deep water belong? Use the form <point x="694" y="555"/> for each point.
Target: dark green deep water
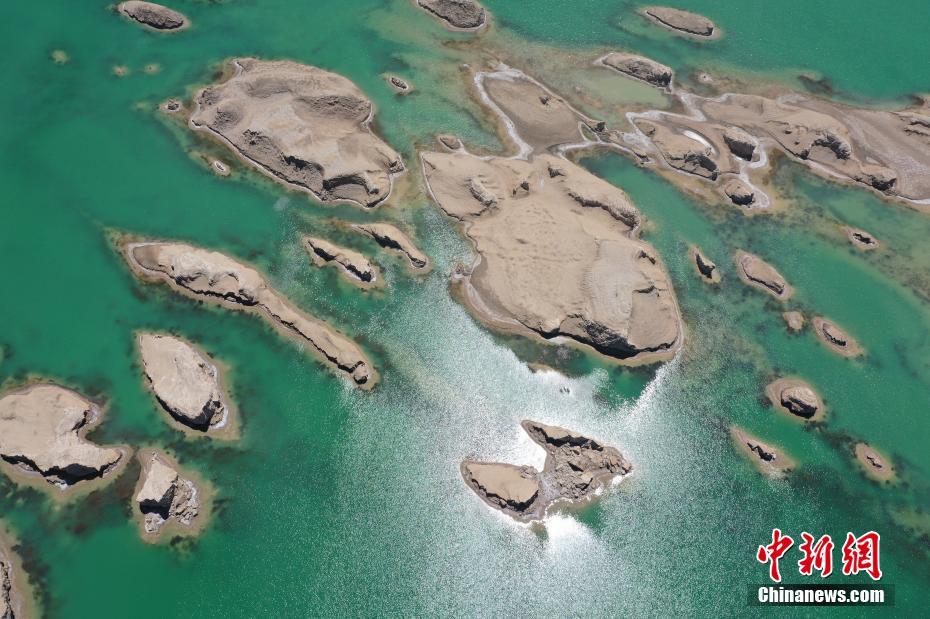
<point x="337" y="502"/>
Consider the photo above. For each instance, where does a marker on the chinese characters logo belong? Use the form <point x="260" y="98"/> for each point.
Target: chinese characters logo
<point x="858" y="554"/>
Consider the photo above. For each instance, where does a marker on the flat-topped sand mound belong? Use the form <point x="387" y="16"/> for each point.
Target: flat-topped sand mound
<point x="304" y="127"/>
<point x="768" y="459"/>
<point x="797" y="398"/>
<point x="394" y="239"/>
<point x="214" y="277"/>
<point x="166" y="499"/>
<point x="352" y="265"/>
<point x="681" y="22"/>
<point x="756" y="272"/>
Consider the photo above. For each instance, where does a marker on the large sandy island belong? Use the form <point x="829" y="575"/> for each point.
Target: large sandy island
<point x="559" y="253"/>
<point x="303" y="126"/>
<point x="215" y="277"/>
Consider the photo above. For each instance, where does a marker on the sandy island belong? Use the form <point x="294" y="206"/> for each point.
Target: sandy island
<point x="835" y="338"/>
<point x="42" y="441"/>
<point x="756" y="272"/>
<point x="457" y="15"/>
<point x="169" y="501"/>
<point x="681" y="22"/>
<point x="704" y="266"/>
<point x="154" y="16"/>
<point x="188" y="386"/>
<point x="352" y="265"/>
<point x="559" y="249"/>
<point x="796" y="398"/>
<point x="769" y="460"/>
<point x="577" y="468"/>
<point x="214" y="277"/>
<point x="304" y="127"/>
<point x="875" y="465"/>
<point x="393" y="239"/>
<point x="17" y="598"/>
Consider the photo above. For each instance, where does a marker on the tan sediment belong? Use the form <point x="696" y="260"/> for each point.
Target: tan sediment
<point x="759" y="274"/>
<point x="769" y="460"/>
<point x="214" y="277"/>
<point x="190" y="494"/>
<point x="832" y="336"/>
<point x="353" y="266"/>
<point x="796" y="398"/>
<point x="861" y="239"/>
<point x="639" y="67"/>
<point x="43" y="444"/>
<point x="398" y="84"/>
<point x="304" y="127"/>
<point x="188" y="379"/>
<point x="875" y="465"/>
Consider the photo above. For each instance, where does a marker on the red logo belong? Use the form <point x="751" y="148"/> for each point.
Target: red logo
<point x="860" y="554"/>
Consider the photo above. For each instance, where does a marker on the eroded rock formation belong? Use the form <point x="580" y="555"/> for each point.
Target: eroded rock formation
<point x="215" y="277"/>
<point x="153" y="15"/>
<point x="456" y="14"/>
<point x="681" y="21"/>
<point x="796" y="397"/>
<point x="758" y="273"/>
<point x="392" y="238"/>
<point x="875" y="465"/>
<point x="184" y="380"/>
<point x="576" y="468"/>
<point x="303" y="126"/>
<point x="164" y="495"/>
<point x="640" y="67"/>
<point x="835" y="338"/>
<point x="353" y="266"/>
<point x="768" y="459"/>
<point x="42" y="429"/>
<point x="705" y="266"/>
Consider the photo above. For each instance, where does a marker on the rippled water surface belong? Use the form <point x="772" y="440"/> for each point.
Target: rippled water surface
<point x="338" y="502"/>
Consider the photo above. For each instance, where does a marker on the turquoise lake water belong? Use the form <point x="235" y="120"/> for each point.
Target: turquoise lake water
<point x="338" y="502"/>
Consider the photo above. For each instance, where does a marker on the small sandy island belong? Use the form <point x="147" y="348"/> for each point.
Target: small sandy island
<point x="456" y="14"/>
<point x="797" y="398"/>
<point x="302" y="126"/>
<point x="186" y="383"/>
<point x="17" y="600"/>
<point x="42" y="436"/>
<point x="682" y="22"/>
<point x="759" y="274"/>
<point x="861" y="239"/>
<point x="393" y="239"/>
<point x="154" y="16"/>
<point x="794" y="320"/>
<point x="577" y="468"/>
<point x="640" y="67"/>
<point x="211" y="276"/>
<point x="400" y="85"/>
<point x="876" y="466"/>
<point x="770" y="460"/>
<point x="835" y="338"/>
<point x="704" y="266"/>
<point x="353" y="266"/>
<point x="166" y="500"/>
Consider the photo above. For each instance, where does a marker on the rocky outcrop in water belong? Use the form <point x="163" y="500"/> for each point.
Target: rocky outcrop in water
<point x="836" y="338"/>
<point x="164" y="495"/>
<point x="739" y="192"/>
<point x="214" y="277"/>
<point x="303" y="126"/>
<point x="390" y="237"/>
<point x="796" y="397"/>
<point x="353" y="266"/>
<point x="705" y="266"/>
<point x="559" y="254"/>
<point x="680" y="151"/>
<point x="861" y="239"/>
<point x="456" y="14"/>
<point x="760" y="274"/>
<point x="681" y="21"/>
<point x="768" y="459"/>
<point x="576" y="468"/>
<point x="794" y="320"/>
<point x="42" y="429"/>
<point x="640" y="67"/>
<point x="876" y="466"/>
<point x="185" y="382"/>
<point x="153" y="15"/>
<point x="740" y="143"/>
<point x="400" y="86"/>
